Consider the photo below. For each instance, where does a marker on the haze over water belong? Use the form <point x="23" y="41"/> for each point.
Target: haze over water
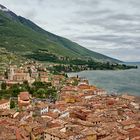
<point x="121" y="81"/>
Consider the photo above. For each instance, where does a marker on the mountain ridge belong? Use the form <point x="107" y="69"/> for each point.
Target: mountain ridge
<point x="25" y="37"/>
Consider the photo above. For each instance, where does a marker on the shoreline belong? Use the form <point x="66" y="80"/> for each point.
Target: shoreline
<point x="109" y="79"/>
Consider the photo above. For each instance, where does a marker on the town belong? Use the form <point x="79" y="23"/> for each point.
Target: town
<point x="38" y="105"/>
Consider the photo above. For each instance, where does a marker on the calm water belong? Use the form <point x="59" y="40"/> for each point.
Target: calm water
<point x="121" y="81"/>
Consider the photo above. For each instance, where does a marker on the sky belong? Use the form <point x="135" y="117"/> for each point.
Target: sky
<point x="110" y="27"/>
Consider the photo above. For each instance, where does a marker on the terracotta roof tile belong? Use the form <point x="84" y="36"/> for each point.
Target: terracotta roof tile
<point x="24" y="96"/>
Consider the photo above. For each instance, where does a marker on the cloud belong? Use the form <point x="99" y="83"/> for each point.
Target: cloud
<point x="31" y="14"/>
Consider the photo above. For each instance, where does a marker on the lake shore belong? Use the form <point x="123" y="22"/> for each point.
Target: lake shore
<point x="120" y="81"/>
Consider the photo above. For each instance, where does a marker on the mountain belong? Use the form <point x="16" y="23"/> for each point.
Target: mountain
<point x="22" y="36"/>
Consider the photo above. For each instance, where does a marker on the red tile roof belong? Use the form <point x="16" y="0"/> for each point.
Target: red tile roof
<point x="135" y="132"/>
<point x="128" y="122"/>
<point x="3" y="101"/>
<point x="24" y="96"/>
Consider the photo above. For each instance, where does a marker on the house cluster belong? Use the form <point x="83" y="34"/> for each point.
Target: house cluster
<point x="29" y="72"/>
<point x="81" y="112"/>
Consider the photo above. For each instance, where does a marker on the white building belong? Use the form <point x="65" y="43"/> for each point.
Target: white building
<point x="42" y="108"/>
<point x="4" y="104"/>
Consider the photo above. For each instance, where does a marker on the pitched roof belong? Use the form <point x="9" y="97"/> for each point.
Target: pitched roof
<point x="128" y="122"/>
<point x="24" y="95"/>
<point x="3" y="101"/>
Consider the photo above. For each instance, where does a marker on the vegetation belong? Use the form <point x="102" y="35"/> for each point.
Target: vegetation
<point x="67" y="64"/>
<point x="3" y="86"/>
<point x="7" y="58"/>
<point x="80" y="65"/>
<point x="38" y="90"/>
<point x="12" y="104"/>
<point x="22" y="36"/>
<point x="43" y="90"/>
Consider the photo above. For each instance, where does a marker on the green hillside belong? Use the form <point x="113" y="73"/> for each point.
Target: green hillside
<point x="7" y="58"/>
<point x="23" y="37"/>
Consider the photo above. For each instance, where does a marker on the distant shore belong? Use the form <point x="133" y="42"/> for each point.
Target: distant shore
<point x="122" y="81"/>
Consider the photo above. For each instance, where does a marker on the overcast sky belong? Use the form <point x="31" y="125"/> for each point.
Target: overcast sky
<point x="111" y="27"/>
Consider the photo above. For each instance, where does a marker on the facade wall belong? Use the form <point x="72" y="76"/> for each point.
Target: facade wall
<point x="5" y="105"/>
<point x="93" y="137"/>
<point x="51" y="137"/>
<point x="44" y="110"/>
<point x="129" y="126"/>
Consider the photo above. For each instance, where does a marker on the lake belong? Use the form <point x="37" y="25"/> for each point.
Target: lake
<point x="120" y="81"/>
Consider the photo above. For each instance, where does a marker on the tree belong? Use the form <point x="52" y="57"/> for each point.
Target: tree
<point x="52" y="93"/>
<point x="38" y="84"/>
<point x="12" y="104"/>
<point x="26" y="83"/>
<point x="15" y="90"/>
<point x="75" y="82"/>
<point x="3" y="86"/>
<point x="40" y="93"/>
<point x="6" y="74"/>
<point x="66" y="75"/>
<point x="25" y="86"/>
